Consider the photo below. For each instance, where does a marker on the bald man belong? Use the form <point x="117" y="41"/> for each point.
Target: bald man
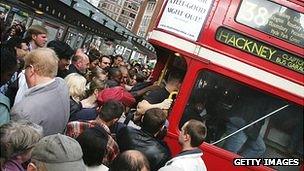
<point x="130" y="160"/>
<point x="80" y="63"/>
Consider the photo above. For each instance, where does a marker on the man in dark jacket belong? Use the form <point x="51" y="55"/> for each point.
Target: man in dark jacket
<point x="64" y="52"/>
<point x="80" y="63"/>
<point x="145" y="140"/>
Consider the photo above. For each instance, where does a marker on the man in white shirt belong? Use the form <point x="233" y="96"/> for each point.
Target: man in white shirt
<point x="192" y="135"/>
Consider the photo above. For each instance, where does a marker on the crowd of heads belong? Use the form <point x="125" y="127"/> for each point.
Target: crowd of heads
<point x="92" y="96"/>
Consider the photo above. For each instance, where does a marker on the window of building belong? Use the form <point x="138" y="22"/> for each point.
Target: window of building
<point x="150" y="6"/>
<point x="135" y="7"/>
<point x="146" y="20"/>
<point x="130" y="24"/>
<point x="104" y="5"/>
<point x="132" y="15"/>
<point x="142" y="32"/>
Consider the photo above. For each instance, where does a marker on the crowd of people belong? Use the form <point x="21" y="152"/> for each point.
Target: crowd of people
<point x="66" y="109"/>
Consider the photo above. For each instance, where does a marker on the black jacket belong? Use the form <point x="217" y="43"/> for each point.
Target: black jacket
<point x="74" y="108"/>
<point x="72" y="69"/>
<point x="155" y="150"/>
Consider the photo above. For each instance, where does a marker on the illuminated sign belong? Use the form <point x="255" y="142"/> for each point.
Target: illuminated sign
<point x="185" y="17"/>
<point x="273" y="19"/>
<point x="261" y="50"/>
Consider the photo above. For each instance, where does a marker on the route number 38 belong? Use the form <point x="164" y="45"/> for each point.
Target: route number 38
<point x="251" y="12"/>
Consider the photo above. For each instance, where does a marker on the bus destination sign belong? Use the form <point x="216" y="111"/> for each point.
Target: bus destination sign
<point x="261" y="50"/>
<point x="273" y="19"/>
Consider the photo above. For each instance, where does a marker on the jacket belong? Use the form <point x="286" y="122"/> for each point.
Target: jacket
<point x="155" y="150"/>
<point x="188" y="160"/>
<point x="72" y="69"/>
<point x="74" y="108"/>
<point x="47" y="105"/>
<point x="4" y="109"/>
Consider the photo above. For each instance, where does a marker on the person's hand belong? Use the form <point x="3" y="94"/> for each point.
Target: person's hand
<point x="150" y="78"/>
<point x="166" y="104"/>
<point x="143" y="106"/>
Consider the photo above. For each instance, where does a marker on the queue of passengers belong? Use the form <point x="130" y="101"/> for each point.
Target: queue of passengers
<point x="64" y="109"/>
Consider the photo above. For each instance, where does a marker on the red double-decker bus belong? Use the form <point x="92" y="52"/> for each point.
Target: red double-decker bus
<point x="243" y="67"/>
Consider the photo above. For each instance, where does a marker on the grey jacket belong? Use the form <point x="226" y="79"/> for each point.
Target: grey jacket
<point x="48" y="106"/>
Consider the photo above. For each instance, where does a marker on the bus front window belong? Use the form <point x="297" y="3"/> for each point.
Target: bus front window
<point x="244" y="120"/>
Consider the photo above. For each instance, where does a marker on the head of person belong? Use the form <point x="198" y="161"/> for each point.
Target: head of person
<point x="198" y="100"/>
<point x="174" y="80"/>
<point x="125" y="74"/>
<point x="153" y="121"/>
<point x="2" y="14"/>
<point x="104" y="62"/>
<point x="146" y="72"/>
<point x="111" y="111"/>
<point x="94" y="55"/>
<point x="115" y="74"/>
<point x="117" y="60"/>
<point x="8" y="63"/>
<point x="16" y="30"/>
<point x="130" y="160"/>
<point x="96" y="85"/>
<point x="99" y="73"/>
<point x="138" y="78"/>
<point x="20" y="45"/>
<point x="81" y="61"/>
<point x="12" y="31"/>
<point x="18" y="139"/>
<point x="57" y="153"/>
<point x="37" y="36"/>
<point x="21" y="28"/>
<point x="63" y="51"/>
<point x="40" y="64"/>
<point x="77" y="86"/>
<point x="193" y="133"/>
<point x="137" y="66"/>
<point x="93" y="142"/>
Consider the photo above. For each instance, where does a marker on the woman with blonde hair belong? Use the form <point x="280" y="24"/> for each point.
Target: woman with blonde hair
<point x="89" y="105"/>
<point x="77" y="86"/>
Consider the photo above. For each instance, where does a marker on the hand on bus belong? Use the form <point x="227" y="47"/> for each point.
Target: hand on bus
<point x="144" y="105"/>
<point x="165" y="105"/>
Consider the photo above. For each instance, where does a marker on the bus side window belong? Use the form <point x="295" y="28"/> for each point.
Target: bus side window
<point x="222" y="102"/>
<point x="211" y="99"/>
<point x="288" y="125"/>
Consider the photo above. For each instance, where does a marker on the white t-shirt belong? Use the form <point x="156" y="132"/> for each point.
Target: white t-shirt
<point x="22" y="87"/>
<point x="97" y="168"/>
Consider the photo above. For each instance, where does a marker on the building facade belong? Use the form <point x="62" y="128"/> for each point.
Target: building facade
<point x="123" y="11"/>
<point x="147" y="17"/>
